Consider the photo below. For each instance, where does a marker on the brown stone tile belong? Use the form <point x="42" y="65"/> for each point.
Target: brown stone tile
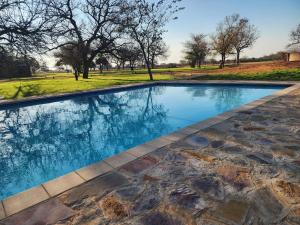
<point x="94" y="170"/>
<point x="288" y="191"/>
<point x="113" y="208"/>
<point x="199" y="156"/>
<point x="233" y="211"/>
<point x="24" y="200"/>
<point x="49" y="212"/>
<point x="119" y="160"/>
<point x="64" y="183"/>
<point x="139" y="165"/>
<point x="267" y="206"/>
<point x="237" y="176"/>
<point x="2" y="212"/>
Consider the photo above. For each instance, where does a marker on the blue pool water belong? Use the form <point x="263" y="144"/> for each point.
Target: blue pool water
<point x="46" y="140"/>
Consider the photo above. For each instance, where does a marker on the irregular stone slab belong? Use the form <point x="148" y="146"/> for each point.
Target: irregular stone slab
<point x="282" y="151"/>
<point x="254" y="128"/>
<point x="209" y="186"/>
<point x="157" y="218"/>
<point x="49" y="212"/>
<point x="149" y="199"/>
<point x="186" y="198"/>
<point x="113" y="208"/>
<point x="217" y="143"/>
<point x="238" y="177"/>
<point x="267" y="207"/>
<point x="233" y="149"/>
<point x="261" y="158"/>
<point x="287" y="190"/>
<point x="199" y="156"/>
<point x="139" y="165"/>
<point x="96" y="187"/>
<point x="294" y="216"/>
<point x="197" y="141"/>
<point x="129" y="192"/>
<point x="232" y="212"/>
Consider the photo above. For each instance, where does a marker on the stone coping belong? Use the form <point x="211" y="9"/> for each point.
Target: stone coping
<point x="52" y="188"/>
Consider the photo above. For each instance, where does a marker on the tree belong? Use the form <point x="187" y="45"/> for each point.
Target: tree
<point x="222" y="40"/>
<point x="295" y="36"/>
<point x="102" y="61"/>
<point x="70" y="55"/>
<point x="196" y="50"/>
<point x="244" y="36"/>
<point x="92" y="24"/>
<point x="127" y="53"/>
<point x="158" y="50"/>
<point x="145" y="23"/>
<point x="24" y="26"/>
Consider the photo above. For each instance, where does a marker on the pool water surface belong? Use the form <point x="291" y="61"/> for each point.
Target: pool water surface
<point x="40" y="142"/>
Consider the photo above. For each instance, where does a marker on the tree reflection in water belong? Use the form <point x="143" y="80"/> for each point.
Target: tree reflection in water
<point x="224" y="97"/>
<point x="41" y="142"/>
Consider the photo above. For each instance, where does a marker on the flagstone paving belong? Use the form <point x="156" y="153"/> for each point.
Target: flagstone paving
<point x="244" y="170"/>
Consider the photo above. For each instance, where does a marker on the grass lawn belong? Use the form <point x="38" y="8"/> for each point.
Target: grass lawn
<point x="60" y="83"/>
<point x="275" y="75"/>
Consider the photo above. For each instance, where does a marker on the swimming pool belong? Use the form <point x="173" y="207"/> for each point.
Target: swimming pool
<point x="44" y="140"/>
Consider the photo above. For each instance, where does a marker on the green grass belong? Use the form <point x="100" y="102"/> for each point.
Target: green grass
<point x="63" y="82"/>
<point x="52" y="83"/>
<point x="276" y="75"/>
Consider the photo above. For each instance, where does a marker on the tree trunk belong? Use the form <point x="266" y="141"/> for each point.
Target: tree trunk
<point x="75" y="72"/>
<point x="149" y="70"/>
<point x="222" y="61"/>
<point x="76" y="75"/>
<point x="85" y="74"/>
<point x="152" y="63"/>
<point x="238" y="57"/>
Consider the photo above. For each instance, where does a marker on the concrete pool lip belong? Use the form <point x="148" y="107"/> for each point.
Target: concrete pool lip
<point x="52" y="188"/>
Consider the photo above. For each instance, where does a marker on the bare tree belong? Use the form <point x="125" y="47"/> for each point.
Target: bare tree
<point x="92" y="24"/>
<point x="244" y="36"/>
<point x="70" y="55"/>
<point x="159" y="50"/>
<point x="145" y="23"/>
<point x="196" y="49"/>
<point x="295" y="36"/>
<point x="102" y="61"/>
<point x="222" y="40"/>
<point x="24" y="26"/>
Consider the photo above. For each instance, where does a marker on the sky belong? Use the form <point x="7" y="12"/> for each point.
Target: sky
<point x="274" y="19"/>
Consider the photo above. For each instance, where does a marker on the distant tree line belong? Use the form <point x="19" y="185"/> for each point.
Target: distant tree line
<point x="83" y="33"/>
<point x="232" y="36"/>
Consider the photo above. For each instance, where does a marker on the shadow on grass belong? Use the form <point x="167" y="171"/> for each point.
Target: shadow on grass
<point x="28" y="90"/>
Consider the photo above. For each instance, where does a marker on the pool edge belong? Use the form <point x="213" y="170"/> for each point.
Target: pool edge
<point x="31" y="197"/>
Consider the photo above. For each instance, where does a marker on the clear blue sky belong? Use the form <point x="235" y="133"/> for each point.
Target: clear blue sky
<point x="273" y="18"/>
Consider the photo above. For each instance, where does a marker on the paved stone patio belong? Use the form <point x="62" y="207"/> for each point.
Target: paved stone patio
<point x="244" y="170"/>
